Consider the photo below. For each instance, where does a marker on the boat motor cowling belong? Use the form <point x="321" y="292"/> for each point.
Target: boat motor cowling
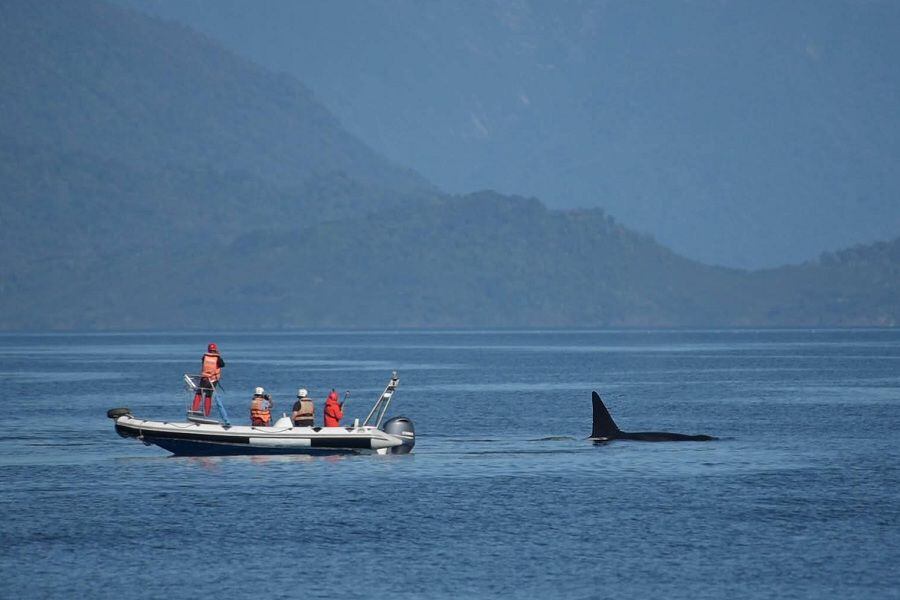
<point x="403" y="428"/>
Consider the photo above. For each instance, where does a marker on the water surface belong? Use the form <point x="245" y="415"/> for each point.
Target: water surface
<point x="502" y="498"/>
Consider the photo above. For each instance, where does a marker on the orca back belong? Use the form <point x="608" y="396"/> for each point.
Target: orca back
<point x="604" y="426"/>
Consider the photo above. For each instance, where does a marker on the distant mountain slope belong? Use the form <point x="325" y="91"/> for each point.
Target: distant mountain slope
<point x="479" y="261"/>
<point x="121" y="212"/>
<point x="487" y="260"/>
<point x="855" y="286"/>
<point x="750" y="134"/>
<point x="72" y="218"/>
<point x="482" y="260"/>
<point x="92" y="78"/>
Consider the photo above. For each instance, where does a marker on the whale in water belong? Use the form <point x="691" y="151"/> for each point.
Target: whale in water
<point x="605" y="429"/>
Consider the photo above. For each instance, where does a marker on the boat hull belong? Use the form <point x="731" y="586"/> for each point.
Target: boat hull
<point x="193" y="439"/>
<point x="193" y="448"/>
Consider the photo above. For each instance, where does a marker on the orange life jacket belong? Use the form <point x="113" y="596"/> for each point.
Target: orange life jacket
<point x="260" y="411"/>
<point x="210" y="368"/>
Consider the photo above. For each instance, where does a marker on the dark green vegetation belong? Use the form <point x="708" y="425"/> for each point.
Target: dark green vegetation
<point x="150" y="179"/>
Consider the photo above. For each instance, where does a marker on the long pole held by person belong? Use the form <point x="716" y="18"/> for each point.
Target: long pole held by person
<point x="221" y="408"/>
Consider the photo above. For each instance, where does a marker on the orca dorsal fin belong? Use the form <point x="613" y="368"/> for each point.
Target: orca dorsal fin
<point x="604" y="426"/>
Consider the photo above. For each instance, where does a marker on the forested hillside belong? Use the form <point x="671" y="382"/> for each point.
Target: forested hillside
<point x="151" y="180"/>
<point x="89" y="77"/>
<point x="851" y="287"/>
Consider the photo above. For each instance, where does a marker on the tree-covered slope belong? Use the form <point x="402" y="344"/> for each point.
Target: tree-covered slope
<point x="483" y="260"/>
<point x="851" y="287"/>
<point x="83" y="233"/>
<point x="93" y="78"/>
<point x="487" y="260"/>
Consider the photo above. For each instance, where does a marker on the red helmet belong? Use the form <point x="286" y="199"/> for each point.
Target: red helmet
<point x="212" y="347"/>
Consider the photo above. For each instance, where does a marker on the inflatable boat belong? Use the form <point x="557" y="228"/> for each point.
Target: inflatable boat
<point x="199" y="436"/>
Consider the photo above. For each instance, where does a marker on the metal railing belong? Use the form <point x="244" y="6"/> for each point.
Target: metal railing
<point x="381" y="405"/>
<point x="193" y="384"/>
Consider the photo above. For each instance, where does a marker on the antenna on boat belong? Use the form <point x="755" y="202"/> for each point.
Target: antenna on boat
<point x="381" y="405"/>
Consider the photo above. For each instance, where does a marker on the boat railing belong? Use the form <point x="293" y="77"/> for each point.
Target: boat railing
<point x="376" y="415"/>
<point x="196" y="383"/>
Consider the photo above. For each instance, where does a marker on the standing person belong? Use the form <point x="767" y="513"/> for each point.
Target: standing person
<point x="334" y="410"/>
<point x="260" y="408"/>
<point x="210" y="373"/>
<point x="304" y="411"/>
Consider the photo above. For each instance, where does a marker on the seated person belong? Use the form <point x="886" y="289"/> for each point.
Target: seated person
<point x="260" y="408"/>
<point x="304" y="411"/>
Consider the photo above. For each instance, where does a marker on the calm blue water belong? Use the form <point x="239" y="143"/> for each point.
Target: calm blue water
<point x="801" y="499"/>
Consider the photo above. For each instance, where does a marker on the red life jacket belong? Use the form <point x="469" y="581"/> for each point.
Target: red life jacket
<point x="210" y="368"/>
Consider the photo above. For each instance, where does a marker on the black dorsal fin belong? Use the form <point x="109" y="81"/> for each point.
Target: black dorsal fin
<point x="604" y="426"/>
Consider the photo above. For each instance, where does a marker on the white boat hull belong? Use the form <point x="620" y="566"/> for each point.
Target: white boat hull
<point x="202" y="439"/>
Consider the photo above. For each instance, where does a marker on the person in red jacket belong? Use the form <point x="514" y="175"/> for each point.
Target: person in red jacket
<point x="210" y="373"/>
<point x="334" y="410"/>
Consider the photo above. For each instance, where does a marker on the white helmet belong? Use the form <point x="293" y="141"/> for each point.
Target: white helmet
<point x="259" y="391"/>
<point x="302" y="393"/>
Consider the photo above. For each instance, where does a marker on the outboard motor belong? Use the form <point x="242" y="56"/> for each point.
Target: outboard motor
<point x="403" y="429"/>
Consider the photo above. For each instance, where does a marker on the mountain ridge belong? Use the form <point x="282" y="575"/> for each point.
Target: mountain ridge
<point x="750" y="136"/>
<point x="115" y="232"/>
